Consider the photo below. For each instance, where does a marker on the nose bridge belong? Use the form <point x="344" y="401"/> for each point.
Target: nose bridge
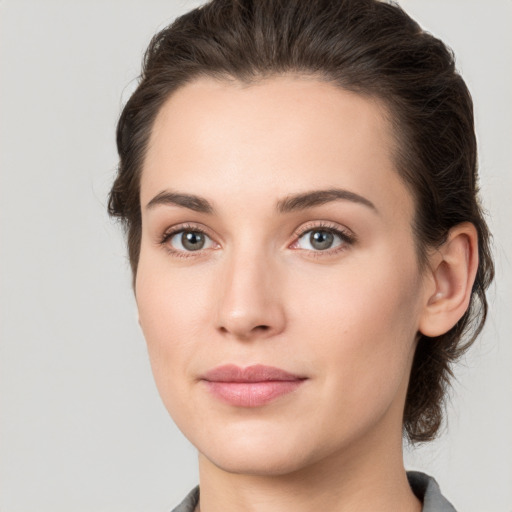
<point x="249" y="304"/>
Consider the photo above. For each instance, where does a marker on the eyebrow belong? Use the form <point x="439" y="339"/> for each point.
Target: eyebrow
<point x="291" y="203"/>
<point x="192" y="202"/>
<point x="313" y="198"/>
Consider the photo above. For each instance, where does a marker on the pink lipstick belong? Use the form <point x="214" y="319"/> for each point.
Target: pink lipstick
<point x="252" y="386"/>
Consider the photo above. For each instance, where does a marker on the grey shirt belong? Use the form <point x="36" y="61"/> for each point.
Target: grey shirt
<point x="424" y="486"/>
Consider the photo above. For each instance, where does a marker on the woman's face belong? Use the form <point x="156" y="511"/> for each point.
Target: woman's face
<point x="277" y="233"/>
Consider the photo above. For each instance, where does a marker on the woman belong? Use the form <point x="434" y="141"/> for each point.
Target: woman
<point x="298" y="184"/>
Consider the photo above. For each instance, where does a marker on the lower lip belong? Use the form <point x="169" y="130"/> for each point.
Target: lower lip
<point x="252" y="394"/>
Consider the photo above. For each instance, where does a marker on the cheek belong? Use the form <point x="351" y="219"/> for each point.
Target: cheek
<point x="171" y="300"/>
<point x="172" y="312"/>
<point x="364" y="331"/>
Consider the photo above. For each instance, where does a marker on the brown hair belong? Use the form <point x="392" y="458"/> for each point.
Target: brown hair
<point x="367" y="46"/>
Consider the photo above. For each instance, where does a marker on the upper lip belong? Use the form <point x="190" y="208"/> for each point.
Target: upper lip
<point x="253" y="373"/>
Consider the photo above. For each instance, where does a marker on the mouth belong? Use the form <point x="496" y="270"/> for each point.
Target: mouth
<point x="252" y="386"/>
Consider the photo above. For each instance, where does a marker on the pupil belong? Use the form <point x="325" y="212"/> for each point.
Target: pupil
<point x="193" y="241"/>
<point x="321" y="239"/>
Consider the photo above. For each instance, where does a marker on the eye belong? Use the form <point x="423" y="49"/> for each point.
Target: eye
<point x="322" y="239"/>
<point x="318" y="240"/>
<point x="188" y="240"/>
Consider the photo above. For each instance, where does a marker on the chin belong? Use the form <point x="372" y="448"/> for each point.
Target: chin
<point x="257" y="462"/>
<point x="261" y="454"/>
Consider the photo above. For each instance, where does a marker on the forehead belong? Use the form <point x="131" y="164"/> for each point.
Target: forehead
<point x="278" y="136"/>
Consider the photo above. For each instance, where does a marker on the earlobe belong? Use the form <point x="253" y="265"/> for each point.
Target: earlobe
<point x="137" y="317"/>
<point x="453" y="269"/>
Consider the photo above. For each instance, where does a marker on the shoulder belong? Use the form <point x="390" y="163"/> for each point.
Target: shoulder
<point x="428" y="491"/>
<point x="189" y="503"/>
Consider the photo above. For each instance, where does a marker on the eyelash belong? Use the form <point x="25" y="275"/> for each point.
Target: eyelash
<point x="346" y="236"/>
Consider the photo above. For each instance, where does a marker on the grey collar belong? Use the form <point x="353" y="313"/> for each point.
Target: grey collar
<point x="423" y="486"/>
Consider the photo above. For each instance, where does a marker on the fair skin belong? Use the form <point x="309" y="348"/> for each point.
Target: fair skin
<point x="329" y="291"/>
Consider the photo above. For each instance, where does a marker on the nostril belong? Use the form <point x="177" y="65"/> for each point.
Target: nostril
<point x="247" y="332"/>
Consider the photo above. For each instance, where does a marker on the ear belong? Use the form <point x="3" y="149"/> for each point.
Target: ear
<point x="136" y="314"/>
<point x="452" y="273"/>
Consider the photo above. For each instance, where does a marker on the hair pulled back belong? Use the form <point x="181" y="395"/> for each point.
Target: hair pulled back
<point x="365" y="46"/>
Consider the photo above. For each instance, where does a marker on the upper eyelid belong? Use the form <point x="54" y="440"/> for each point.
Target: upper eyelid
<point x="186" y="226"/>
<point x="323" y="225"/>
<point x="299" y="231"/>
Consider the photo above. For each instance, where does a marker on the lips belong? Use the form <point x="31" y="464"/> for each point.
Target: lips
<point x="252" y="386"/>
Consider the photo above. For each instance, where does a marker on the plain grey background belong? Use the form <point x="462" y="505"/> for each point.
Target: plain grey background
<point x="81" y="424"/>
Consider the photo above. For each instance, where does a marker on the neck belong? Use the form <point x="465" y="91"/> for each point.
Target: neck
<point x="355" y="480"/>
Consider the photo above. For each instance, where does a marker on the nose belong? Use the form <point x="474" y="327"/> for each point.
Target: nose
<point x="250" y="305"/>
